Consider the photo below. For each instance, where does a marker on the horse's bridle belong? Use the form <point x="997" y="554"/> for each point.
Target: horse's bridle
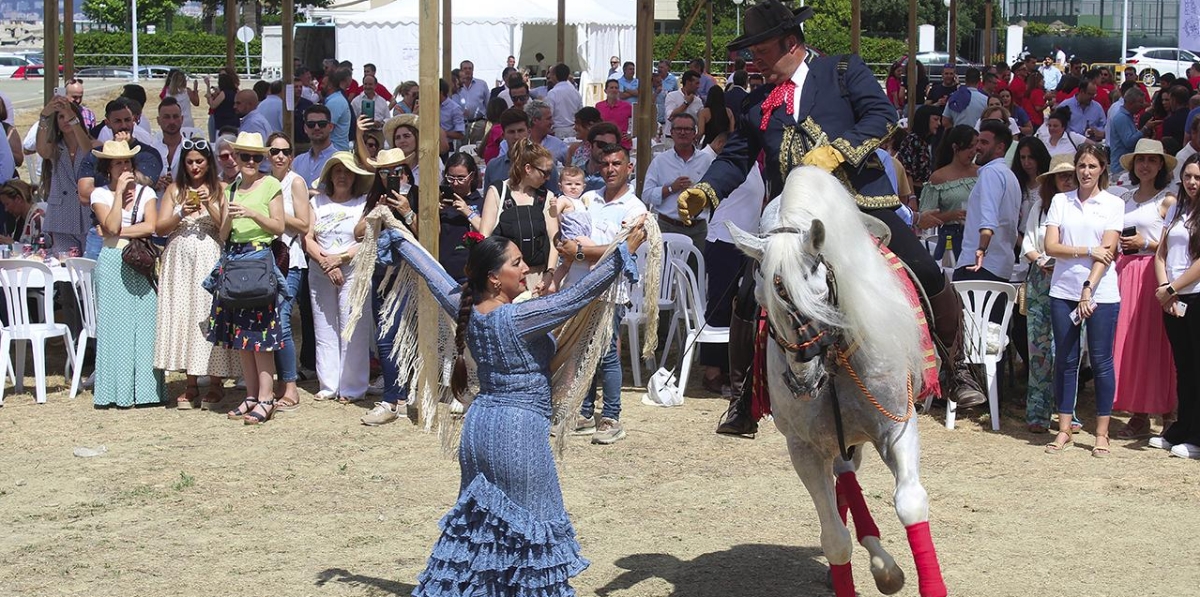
<point x="813" y="340"/>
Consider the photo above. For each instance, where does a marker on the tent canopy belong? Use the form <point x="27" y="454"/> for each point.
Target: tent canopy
<point x="486" y="32"/>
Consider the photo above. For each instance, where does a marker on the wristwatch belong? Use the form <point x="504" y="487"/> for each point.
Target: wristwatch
<point x="1170" y="290"/>
<point x="578" y="251"/>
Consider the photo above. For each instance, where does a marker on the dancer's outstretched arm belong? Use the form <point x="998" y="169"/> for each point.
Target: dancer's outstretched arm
<point x="539" y="316"/>
<point x="394" y="248"/>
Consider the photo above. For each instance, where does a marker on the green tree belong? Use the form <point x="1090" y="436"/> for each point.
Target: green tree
<point x="117" y="12"/>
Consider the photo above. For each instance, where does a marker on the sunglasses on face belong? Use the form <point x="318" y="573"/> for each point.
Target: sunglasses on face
<point x="226" y="156"/>
<point x="520" y="98"/>
<point x="545" y="173"/>
<point x="197" y="144"/>
<point x="278" y="150"/>
<point x="457" y="179"/>
<point x="251" y="157"/>
<point x="316" y="124"/>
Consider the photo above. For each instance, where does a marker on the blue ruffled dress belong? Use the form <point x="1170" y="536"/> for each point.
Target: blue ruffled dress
<point x="508" y="535"/>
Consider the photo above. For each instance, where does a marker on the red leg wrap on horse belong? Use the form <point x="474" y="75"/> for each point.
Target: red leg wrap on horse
<point x="843" y="505"/>
<point x="843" y="580"/>
<point x="864" y="523"/>
<point x="929" y="572"/>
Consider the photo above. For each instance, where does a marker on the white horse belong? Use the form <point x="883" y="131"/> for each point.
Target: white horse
<point x="818" y="263"/>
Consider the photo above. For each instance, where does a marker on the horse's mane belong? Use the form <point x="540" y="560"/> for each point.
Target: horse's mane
<point x="873" y="310"/>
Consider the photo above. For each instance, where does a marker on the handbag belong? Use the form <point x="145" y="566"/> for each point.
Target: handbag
<point x="248" y="283"/>
<point x="141" y="254"/>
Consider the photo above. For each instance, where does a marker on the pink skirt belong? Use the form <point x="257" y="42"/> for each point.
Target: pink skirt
<point x="1145" y="370"/>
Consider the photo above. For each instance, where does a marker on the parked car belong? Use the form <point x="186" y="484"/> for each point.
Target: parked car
<point x="153" y="71"/>
<point x="1152" y="63"/>
<point x="934" y="61"/>
<point x="15" y="65"/>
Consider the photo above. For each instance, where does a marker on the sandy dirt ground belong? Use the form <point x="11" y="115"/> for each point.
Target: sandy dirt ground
<point x="188" y="503"/>
<point x="313" y="503"/>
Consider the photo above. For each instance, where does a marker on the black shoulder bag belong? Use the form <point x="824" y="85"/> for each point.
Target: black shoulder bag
<point x="247" y="283"/>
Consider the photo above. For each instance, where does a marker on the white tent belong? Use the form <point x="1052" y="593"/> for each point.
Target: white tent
<point x="486" y="32"/>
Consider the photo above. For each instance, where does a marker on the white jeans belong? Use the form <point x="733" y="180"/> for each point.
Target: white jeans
<point x="343" y="367"/>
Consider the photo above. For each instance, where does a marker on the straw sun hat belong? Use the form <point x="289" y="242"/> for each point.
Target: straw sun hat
<point x="1148" y="147"/>
<point x="387" y="158"/>
<point x="249" y="143"/>
<point x="1058" y="164"/>
<point x="395" y="122"/>
<point x="116" y="150"/>
<point x="362" y="178"/>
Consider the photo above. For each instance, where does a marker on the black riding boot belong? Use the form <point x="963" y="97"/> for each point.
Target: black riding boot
<point x="958" y="383"/>
<point x="743" y="327"/>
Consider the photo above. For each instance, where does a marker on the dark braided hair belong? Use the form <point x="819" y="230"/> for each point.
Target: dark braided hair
<point x="485" y="259"/>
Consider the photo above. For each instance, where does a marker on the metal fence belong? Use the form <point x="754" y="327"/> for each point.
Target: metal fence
<point x="193" y="64"/>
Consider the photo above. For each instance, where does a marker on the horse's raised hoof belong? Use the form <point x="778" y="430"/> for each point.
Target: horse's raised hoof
<point x="888" y="579"/>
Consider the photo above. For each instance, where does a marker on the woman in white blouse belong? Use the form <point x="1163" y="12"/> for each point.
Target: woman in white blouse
<point x="1057" y="137"/>
<point x="1142" y="356"/>
<point x="1082" y="230"/>
<point x="1039" y="398"/>
<point x="126" y="302"/>
<point x="342" y="364"/>
<point x="1177" y="268"/>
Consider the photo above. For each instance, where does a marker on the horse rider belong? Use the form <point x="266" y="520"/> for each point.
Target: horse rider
<point x="828" y="112"/>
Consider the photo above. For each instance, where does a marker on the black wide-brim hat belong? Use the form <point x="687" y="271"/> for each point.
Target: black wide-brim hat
<point x="767" y="20"/>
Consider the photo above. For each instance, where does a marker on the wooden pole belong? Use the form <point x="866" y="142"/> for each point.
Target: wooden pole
<point x="231" y="35"/>
<point x="912" y="63"/>
<point x="429" y="129"/>
<point x="288" y="31"/>
<point x="987" y="34"/>
<point x="708" y="49"/>
<point x="646" y="120"/>
<point x="856" y="28"/>
<point x="562" y="31"/>
<point x="68" y="37"/>
<point x="447" y="53"/>
<point x="50" y="60"/>
<point x="953" y="49"/>
<point x="687" y="26"/>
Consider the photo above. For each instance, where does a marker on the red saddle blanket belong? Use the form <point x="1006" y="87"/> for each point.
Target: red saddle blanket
<point x="760" y="404"/>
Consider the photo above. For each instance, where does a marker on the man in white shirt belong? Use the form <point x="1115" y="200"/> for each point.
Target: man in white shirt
<point x="1190" y="148"/>
<point x="686" y="99"/>
<point x="377" y="106"/>
<point x="170" y="120"/>
<point x="564" y="100"/>
<point x="609" y="209"/>
<point x="676" y="170"/>
<point x="990" y="231"/>
<point x="472" y="96"/>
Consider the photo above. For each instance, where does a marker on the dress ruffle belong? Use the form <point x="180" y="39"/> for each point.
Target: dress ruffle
<point x="491" y="546"/>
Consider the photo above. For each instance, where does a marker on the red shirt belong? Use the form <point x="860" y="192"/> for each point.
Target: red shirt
<point x="1035" y="105"/>
<point x="619" y="114"/>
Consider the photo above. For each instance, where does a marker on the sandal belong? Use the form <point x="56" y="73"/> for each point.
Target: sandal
<point x="267" y="408"/>
<point x="1099" y="451"/>
<point x="1137" y="428"/>
<point x="349" y="399"/>
<point x="287" y="404"/>
<point x="212" y="398"/>
<point x="189" y="399"/>
<point x="1056" y="448"/>
<point x="244" y="408"/>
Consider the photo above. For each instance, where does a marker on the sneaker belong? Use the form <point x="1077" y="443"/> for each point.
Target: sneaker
<point x="1191" y="451"/>
<point x="585" y="425"/>
<point x="609" y="431"/>
<point x="376" y="387"/>
<point x="382" y="414"/>
<point x="1161" y="443"/>
<point x="89" y="381"/>
<point x="325" y="395"/>
<point x="306" y="374"/>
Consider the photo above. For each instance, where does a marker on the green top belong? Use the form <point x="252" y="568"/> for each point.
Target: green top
<point x="947" y="196"/>
<point x="245" y="230"/>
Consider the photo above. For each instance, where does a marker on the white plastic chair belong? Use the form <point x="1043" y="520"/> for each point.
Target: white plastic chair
<point x="81" y="272"/>
<point x="984" y="342"/>
<point x="14" y="281"/>
<point x="691" y="304"/>
<point x="635" y="318"/>
<point x="677" y="246"/>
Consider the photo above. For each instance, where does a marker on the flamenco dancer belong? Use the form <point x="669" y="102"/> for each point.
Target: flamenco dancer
<point x="828" y="112"/>
<point x="508" y="533"/>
